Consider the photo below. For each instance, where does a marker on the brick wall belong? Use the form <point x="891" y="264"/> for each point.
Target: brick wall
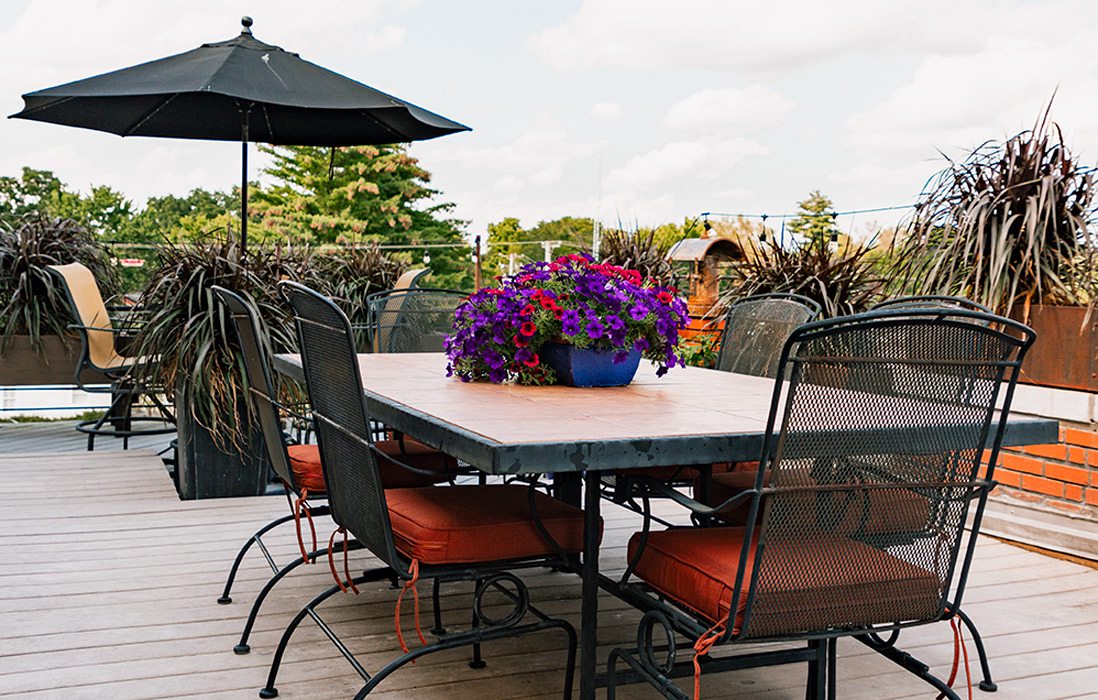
<point x="1062" y="477"/>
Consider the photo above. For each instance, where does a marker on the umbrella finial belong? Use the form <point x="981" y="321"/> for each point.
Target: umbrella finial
<point x="247" y="22"/>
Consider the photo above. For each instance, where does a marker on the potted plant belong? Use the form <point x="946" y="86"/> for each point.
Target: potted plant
<point x="571" y="321"/>
<point x="219" y="454"/>
<point x="1012" y="226"/>
<point x="37" y="347"/>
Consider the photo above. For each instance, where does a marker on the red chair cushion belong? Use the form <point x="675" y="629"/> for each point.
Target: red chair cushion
<point x="890" y="511"/>
<point x="471" y="524"/>
<point x="813" y="584"/>
<point x="308" y="474"/>
<point x="305" y="464"/>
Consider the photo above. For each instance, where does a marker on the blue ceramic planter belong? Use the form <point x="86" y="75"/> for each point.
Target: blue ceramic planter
<point x="588" y="367"/>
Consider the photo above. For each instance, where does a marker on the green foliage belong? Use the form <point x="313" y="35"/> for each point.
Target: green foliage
<point x="815" y="220"/>
<point x="190" y="333"/>
<point x="639" y="250"/>
<point x="573" y="233"/>
<point x="843" y="282"/>
<point x="701" y="350"/>
<point x="1012" y="224"/>
<point x="359" y="194"/>
<point x="36" y="304"/>
<point x="349" y="275"/>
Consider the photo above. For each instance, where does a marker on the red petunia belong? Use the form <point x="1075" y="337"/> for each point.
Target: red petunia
<point x="528" y="328"/>
<point x="558" y="312"/>
<point x="520" y="341"/>
<point x="547" y="302"/>
<point x="532" y="361"/>
<point x="527" y="310"/>
<point x="664" y="297"/>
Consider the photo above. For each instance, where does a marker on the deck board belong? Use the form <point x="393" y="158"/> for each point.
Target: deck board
<point x="108" y="588"/>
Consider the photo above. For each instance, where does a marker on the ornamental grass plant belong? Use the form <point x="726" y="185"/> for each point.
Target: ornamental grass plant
<point x="498" y="331"/>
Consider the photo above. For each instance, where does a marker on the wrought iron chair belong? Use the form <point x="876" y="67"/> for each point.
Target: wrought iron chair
<point x="933" y="301"/>
<point x="100" y="353"/>
<point x="444" y="533"/>
<point x="411" y="320"/>
<point x="755" y="330"/>
<point x="298" y="466"/>
<point x="817" y="558"/>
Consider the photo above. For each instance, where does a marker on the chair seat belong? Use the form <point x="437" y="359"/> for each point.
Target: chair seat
<point x="889" y="512"/>
<point x="305" y="463"/>
<point x="696" y="567"/>
<point x="473" y="524"/>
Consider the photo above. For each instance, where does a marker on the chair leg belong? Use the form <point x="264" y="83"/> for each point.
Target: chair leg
<point x="477" y="661"/>
<point x="225" y="599"/>
<point x="832" y="679"/>
<point x="816" y="687"/>
<point x="436" y="600"/>
<point x="987" y="684"/>
<point x="242" y="646"/>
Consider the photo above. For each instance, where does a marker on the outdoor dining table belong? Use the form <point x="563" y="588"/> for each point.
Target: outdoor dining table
<point x="689" y="416"/>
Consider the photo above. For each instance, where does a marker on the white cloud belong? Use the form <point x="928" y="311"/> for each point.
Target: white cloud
<point x="754" y="37"/>
<point x="606" y="110"/>
<point x="537" y="156"/>
<point x="678" y="160"/>
<point x="735" y="109"/>
<point x="955" y="103"/>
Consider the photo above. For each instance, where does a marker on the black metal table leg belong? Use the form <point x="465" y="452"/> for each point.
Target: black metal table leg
<point x="589" y="615"/>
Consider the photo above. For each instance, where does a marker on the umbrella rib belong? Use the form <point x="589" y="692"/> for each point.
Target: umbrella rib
<point x="149" y="115"/>
<point x="401" y="137"/>
<point x="47" y="105"/>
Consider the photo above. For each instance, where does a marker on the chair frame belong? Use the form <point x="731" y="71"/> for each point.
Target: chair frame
<point x="378" y="303"/>
<point x="642" y="661"/>
<point x="378" y="536"/>
<point x="931" y="301"/>
<point x="123" y="388"/>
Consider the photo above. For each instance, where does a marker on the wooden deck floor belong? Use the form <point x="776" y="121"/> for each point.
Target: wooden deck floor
<point x="108" y="586"/>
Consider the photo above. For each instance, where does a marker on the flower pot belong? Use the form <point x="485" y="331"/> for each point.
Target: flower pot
<point x="589" y="367"/>
<point x="207" y="469"/>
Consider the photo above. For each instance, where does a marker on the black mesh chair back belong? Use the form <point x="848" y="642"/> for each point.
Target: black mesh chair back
<point x="756" y="328"/>
<point x="411" y="320"/>
<point x="255" y="355"/>
<point x="338" y="404"/>
<point x="932" y="301"/>
<point x="838" y="468"/>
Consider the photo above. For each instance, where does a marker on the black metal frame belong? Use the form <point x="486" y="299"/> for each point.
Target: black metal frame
<point x="953" y="487"/>
<point x="619" y="488"/>
<point x="123" y="389"/>
<point x="396" y="302"/>
<point x="358" y="506"/>
<point x="931" y="301"/>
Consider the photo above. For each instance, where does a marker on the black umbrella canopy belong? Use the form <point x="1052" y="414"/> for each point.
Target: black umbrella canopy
<point x="237" y="90"/>
<point x="213" y="91"/>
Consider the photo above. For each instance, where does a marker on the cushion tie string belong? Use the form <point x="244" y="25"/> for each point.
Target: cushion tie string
<point x="413" y="569"/>
<point x="702" y="647"/>
<point x="959" y="649"/>
<point x="350" y="585"/>
<point x="301" y="505"/>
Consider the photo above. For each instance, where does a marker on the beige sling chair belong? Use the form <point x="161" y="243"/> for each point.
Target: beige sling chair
<point x="100" y="353"/>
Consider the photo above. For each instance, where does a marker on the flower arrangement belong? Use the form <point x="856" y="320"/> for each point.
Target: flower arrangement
<point x="498" y="331"/>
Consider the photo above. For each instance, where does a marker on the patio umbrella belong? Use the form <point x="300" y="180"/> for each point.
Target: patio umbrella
<point x="237" y="90"/>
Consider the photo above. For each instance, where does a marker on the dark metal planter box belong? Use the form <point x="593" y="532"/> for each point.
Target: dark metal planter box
<point x="1066" y="352"/>
<point x="204" y="470"/>
<point x="20" y="365"/>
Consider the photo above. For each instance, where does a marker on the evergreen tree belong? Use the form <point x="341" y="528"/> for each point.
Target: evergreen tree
<point x="815" y="220"/>
<point x="357" y="194"/>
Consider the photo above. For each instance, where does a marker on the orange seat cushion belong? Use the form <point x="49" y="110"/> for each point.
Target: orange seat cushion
<point x="890" y="511"/>
<point x="305" y="464"/>
<point x="823" y="582"/>
<point x="471" y="524"/>
<point x="308" y="474"/>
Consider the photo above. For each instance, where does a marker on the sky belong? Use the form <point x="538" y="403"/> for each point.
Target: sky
<point x="632" y="112"/>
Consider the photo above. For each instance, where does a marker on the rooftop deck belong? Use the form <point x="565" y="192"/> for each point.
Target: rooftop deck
<point x="108" y="587"/>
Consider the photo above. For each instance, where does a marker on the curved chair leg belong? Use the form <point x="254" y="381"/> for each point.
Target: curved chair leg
<point x="225" y="599"/>
<point x="987" y="684"/>
<point x="911" y="664"/>
<point x="436" y="600"/>
<point x="243" y="647"/>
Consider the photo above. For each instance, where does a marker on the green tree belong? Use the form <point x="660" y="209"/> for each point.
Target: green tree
<point x="357" y="194"/>
<point x="500" y="234"/>
<point x="815" y="220"/>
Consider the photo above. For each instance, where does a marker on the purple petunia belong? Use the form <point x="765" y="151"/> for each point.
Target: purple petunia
<point x="570" y="322"/>
<point x="595" y="329"/>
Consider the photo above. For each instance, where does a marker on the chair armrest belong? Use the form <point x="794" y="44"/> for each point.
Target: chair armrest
<point x="696" y="507"/>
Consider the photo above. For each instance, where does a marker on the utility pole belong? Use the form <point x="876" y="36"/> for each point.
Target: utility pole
<point x="596" y="239"/>
<point x="478" y="275"/>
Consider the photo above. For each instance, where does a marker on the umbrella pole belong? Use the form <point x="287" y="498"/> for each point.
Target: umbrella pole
<point x="244" y="188"/>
